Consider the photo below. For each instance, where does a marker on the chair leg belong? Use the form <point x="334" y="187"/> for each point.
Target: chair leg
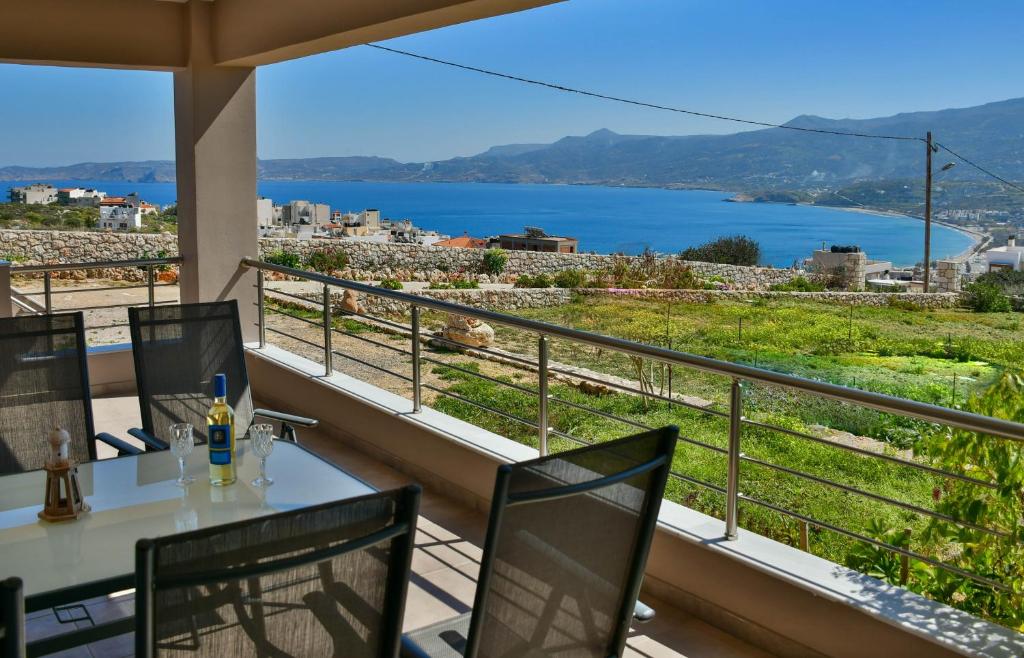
<point x="288" y="432"/>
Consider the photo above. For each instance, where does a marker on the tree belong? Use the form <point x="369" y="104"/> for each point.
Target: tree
<point x="998" y="557"/>
<point x="732" y="250"/>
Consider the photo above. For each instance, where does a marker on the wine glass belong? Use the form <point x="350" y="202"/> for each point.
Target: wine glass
<point x="261" y="440"/>
<point x="182" y="443"/>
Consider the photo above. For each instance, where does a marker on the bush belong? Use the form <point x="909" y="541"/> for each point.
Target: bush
<point x="732" y="250"/>
<point x="495" y="260"/>
<point x="283" y="258"/>
<point x="465" y="284"/>
<point x="327" y="260"/>
<point x="986" y="298"/>
<point x="570" y="278"/>
<point x="798" y="284"/>
<point x="1010" y="282"/>
<point x="539" y="281"/>
<point x="390" y="284"/>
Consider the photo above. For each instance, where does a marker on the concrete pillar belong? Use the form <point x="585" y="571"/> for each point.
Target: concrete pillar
<point x="215" y="147"/>
<point x="6" y="305"/>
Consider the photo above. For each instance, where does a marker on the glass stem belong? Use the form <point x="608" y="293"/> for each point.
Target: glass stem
<point x="263" y="468"/>
<point x="181" y="468"/>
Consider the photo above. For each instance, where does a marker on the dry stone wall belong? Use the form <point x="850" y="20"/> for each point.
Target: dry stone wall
<point x="367" y="261"/>
<point x="902" y="299"/>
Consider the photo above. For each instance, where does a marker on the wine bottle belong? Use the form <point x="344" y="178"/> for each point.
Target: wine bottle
<point x="220" y="432"/>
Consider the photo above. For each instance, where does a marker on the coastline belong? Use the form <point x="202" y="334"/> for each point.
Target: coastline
<point x="979" y="239"/>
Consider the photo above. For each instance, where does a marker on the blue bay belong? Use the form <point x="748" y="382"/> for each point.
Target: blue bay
<point x="605" y="219"/>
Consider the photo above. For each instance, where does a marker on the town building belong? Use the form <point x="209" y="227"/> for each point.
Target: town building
<point x="535" y="239"/>
<point x="79" y="196"/>
<point x="265" y="214"/>
<point x="1010" y="257"/>
<point x="39" y="193"/>
<point x="120" y="214"/>
<point x="299" y="213"/>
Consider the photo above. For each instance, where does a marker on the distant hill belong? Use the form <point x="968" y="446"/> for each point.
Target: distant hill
<point x="769" y="159"/>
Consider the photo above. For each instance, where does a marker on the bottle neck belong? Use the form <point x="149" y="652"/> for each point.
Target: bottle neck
<point x="221" y="399"/>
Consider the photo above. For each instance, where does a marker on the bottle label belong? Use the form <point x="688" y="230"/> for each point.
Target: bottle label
<point x="220" y="444"/>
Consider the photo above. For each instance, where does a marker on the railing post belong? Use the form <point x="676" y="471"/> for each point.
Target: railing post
<point x="804" y="539"/>
<point x="150" y="284"/>
<point x="6" y="302"/>
<point x="260" y="303"/>
<point x="732" y="495"/>
<point x="416" y="393"/>
<point x="328" y="352"/>
<point x="47" y="293"/>
<point x="542" y="392"/>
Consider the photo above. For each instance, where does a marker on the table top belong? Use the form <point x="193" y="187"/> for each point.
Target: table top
<point x="134" y="497"/>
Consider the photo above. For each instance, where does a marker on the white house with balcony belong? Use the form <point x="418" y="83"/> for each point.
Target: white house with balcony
<point x="119" y="214"/>
<point x="1010" y="257"/>
<point x="79" y="196"/>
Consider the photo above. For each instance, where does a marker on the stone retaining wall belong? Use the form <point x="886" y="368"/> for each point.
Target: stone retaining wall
<point x="909" y="299"/>
<point x="508" y="299"/>
<point x="366" y="260"/>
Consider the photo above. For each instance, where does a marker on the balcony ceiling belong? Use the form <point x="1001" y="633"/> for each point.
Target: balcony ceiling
<point x="155" y="34"/>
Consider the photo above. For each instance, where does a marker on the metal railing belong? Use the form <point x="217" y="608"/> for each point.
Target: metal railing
<point x="738" y="375"/>
<point x="150" y="265"/>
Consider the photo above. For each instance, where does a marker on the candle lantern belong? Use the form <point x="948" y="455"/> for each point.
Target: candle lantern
<point x="63" y="495"/>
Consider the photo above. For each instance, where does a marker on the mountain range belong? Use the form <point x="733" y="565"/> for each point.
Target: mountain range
<point x="765" y="159"/>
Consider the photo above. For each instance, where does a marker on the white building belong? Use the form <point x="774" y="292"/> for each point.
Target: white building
<point x="1010" y="257"/>
<point x="40" y="193"/>
<point x="79" y="196"/>
<point x="120" y="214"/>
<point x="264" y="213"/>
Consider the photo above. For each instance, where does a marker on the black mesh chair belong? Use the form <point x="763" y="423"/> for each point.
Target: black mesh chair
<point x="12" y="619"/>
<point x="44" y="383"/>
<point x="177" y="350"/>
<point x="328" y="580"/>
<point x="564" y="557"/>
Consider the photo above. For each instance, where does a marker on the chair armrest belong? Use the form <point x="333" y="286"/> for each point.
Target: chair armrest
<point x="151" y="441"/>
<point x="123" y="448"/>
<point x="286" y="418"/>
<point x="410" y="649"/>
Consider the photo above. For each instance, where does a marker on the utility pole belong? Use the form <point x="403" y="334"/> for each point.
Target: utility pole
<point x="928" y="210"/>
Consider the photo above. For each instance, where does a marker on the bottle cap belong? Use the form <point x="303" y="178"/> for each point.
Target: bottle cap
<point x="220" y="386"/>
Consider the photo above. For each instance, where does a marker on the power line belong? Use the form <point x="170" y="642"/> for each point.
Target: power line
<point x="979" y="167"/>
<point x="628" y="101"/>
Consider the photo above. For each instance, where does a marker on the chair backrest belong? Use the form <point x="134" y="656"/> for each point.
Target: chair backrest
<point x="12" y="619"/>
<point x="177" y="351"/>
<point x="328" y="580"/>
<point x="566" y="546"/>
<point x="44" y="383"/>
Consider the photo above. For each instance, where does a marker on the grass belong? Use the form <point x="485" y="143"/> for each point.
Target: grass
<point x="819" y="501"/>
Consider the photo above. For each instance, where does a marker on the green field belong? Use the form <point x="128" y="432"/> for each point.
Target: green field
<point x="904" y="352"/>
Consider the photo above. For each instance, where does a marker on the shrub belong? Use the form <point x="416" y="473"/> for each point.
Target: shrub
<point x="390" y="284"/>
<point x="732" y="250"/>
<point x="495" y="260"/>
<point x="570" y="278"/>
<point x="798" y="284"/>
<point x="283" y="258"/>
<point x="986" y="298"/>
<point x="1011" y="282"/>
<point x="439" y="285"/>
<point x="465" y="284"/>
<point x="327" y="260"/>
<point x="539" y="281"/>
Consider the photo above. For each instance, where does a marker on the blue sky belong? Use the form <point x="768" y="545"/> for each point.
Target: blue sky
<point x="764" y="60"/>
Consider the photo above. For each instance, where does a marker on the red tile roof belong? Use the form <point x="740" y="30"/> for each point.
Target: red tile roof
<point x="464" y="242"/>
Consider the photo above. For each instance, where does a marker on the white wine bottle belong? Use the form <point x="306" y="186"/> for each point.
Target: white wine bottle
<point x="220" y="432"/>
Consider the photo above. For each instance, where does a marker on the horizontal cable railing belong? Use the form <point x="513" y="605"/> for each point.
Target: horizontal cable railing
<point x="27" y="305"/>
<point x="739" y="375"/>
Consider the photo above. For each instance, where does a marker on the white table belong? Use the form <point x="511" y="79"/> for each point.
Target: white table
<point x="134" y="497"/>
